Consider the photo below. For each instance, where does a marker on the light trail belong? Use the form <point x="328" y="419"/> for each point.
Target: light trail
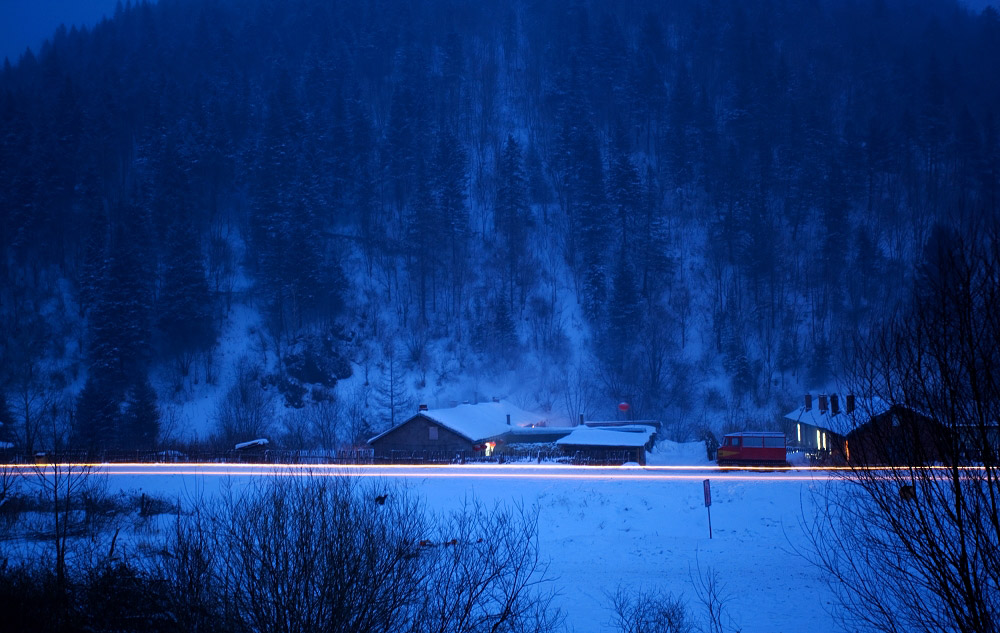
<point x="554" y="472"/>
<point x="493" y="467"/>
<point x="448" y="475"/>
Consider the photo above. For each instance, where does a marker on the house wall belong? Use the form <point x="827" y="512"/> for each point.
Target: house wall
<point x="898" y="437"/>
<point x="809" y="440"/>
<point x="414" y="435"/>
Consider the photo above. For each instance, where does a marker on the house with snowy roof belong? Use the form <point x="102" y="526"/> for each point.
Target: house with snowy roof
<point x="609" y="443"/>
<point x="466" y="430"/>
<point x="869" y="430"/>
<point x="821" y="427"/>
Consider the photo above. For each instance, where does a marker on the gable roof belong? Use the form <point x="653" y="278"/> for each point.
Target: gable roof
<point x="841" y="423"/>
<point x="476" y="422"/>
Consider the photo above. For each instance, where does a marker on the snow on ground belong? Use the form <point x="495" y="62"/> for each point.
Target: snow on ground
<point x="667" y="453"/>
<point x="632" y="527"/>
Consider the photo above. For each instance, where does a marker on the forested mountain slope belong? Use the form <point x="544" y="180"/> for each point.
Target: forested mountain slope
<point x="694" y="206"/>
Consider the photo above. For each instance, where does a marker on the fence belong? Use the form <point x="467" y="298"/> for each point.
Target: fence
<point x="260" y="455"/>
<point x="256" y="455"/>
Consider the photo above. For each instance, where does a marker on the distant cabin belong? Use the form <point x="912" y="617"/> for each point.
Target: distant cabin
<point x="496" y="429"/>
<point x="610" y="443"/>
<point x="466" y="430"/>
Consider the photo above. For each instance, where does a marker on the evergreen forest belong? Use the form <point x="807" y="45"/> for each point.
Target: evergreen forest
<point x="297" y="219"/>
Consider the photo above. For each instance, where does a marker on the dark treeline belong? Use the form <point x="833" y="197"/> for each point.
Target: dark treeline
<point x="717" y="194"/>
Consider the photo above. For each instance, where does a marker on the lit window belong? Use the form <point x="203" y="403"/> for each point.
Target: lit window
<point x="819" y="440"/>
<point x="432" y="432"/>
<point x="798" y="428"/>
<point x="489" y="448"/>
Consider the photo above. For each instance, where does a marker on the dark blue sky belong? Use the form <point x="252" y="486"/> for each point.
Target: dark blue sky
<point x="25" y="23"/>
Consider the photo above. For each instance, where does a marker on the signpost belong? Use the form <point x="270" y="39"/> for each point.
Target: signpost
<point x="708" y="505"/>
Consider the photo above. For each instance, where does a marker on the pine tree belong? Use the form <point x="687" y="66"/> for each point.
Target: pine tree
<point x="95" y="259"/>
<point x="6" y="422"/>
<point x="97" y="416"/>
<point x="504" y="332"/>
<point x="624" y="188"/>
<point x="510" y="215"/>
<point x="539" y="190"/>
<point x="451" y="183"/>
<point x="590" y="210"/>
<point x="623" y="313"/>
<point x="119" y="324"/>
<point x="401" y="149"/>
<point x="655" y="264"/>
<point x="140" y="419"/>
<point x="424" y="232"/>
<point x="185" y="304"/>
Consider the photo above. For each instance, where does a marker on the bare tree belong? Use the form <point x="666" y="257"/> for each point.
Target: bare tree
<point x="336" y="554"/>
<point x="325" y="421"/>
<point x="648" y="611"/>
<point x="486" y="574"/>
<point x="915" y="548"/>
<point x="713" y="597"/>
<point x="578" y="395"/>
<point x="10" y="480"/>
<point x="246" y="411"/>
<point x="391" y="394"/>
<point x="23" y="346"/>
<point x="311" y="554"/>
<point x="64" y="487"/>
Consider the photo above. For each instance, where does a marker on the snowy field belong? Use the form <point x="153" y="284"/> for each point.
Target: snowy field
<point x="601" y="528"/>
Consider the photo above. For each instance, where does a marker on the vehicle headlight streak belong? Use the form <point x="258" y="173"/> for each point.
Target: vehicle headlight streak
<point x="564" y="472"/>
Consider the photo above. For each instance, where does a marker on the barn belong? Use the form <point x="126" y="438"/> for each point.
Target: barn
<point x="455" y="433"/>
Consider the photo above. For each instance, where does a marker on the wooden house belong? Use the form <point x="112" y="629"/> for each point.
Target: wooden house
<point x="819" y="427"/>
<point x="899" y="436"/>
<point x="463" y="431"/>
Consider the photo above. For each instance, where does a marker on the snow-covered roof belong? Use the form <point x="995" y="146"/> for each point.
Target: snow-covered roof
<point x="5" y="445"/>
<point x="479" y="421"/>
<point x="632" y="436"/>
<point x="252" y="443"/>
<point x="842" y="422"/>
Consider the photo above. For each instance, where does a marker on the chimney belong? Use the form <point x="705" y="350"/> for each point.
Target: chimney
<point x="809" y="402"/>
<point x="581" y="419"/>
<point x="422" y="407"/>
<point x="822" y="403"/>
<point x="508" y="419"/>
<point x="850" y="403"/>
<point x="834" y="404"/>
